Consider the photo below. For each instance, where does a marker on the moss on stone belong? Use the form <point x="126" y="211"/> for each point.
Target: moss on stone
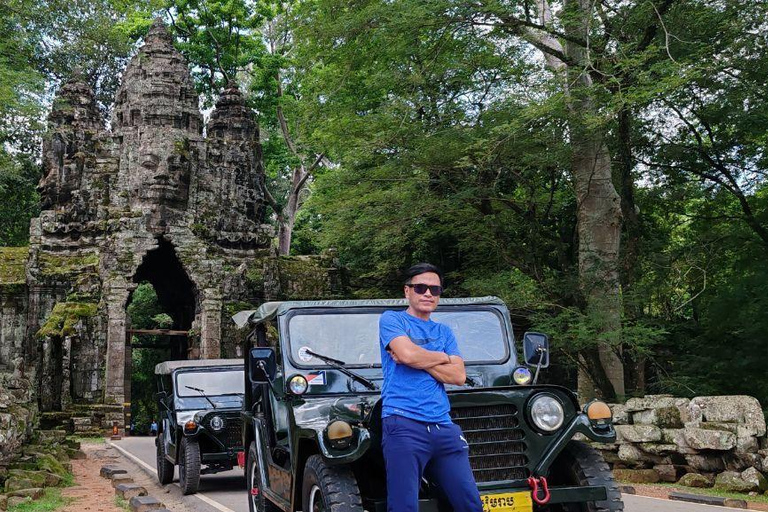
<point x="64" y="318"/>
<point x="230" y="308"/>
<point x="13" y="262"/>
<point x="60" y="264"/>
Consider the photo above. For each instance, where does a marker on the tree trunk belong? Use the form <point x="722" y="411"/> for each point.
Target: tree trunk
<point x="598" y="211"/>
<point x="634" y="363"/>
<point x="288" y="215"/>
<point x="599" y="227"/>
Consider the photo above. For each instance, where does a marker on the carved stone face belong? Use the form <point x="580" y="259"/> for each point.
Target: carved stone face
<point x="163" y="174"/>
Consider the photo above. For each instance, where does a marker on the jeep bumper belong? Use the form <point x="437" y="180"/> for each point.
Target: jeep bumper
<point x="558" y="495"/>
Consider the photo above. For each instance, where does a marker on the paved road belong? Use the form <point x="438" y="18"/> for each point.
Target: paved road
<point x="226" y="491"/>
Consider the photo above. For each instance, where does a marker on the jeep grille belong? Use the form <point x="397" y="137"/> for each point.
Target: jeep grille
<point x="231" y="436"/>
<point x="496" y="443"/>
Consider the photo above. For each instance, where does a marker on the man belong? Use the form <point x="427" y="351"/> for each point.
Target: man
<point x="419" y="356"/>
<point x="153" y="428"/>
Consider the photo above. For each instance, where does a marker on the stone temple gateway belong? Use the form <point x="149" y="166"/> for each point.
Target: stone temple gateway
<point x="156" y="200"/>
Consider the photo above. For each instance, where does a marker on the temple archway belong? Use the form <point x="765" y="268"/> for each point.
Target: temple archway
<point x="160" y="313"/>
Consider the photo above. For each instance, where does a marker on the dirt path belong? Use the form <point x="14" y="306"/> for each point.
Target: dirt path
<point x="91" y="492"/>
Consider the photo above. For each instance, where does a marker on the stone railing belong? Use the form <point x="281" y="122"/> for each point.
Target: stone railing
<point x="701" y="442"/>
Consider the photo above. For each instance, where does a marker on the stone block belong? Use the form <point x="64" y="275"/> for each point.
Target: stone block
<point x="3" y="502"/>
<point x="663" y="417"/>
<point x="34" y="493"/>
<point x="703" y="439"/>
<point x="121" y="479"/>
<point x="40" y="478"/>
<point x="636" y="476"/>
<point x="744" y="410"/>
<point x="144" y="503"/>
<point x="15" y="483"/>
<point x="695" y="480"/>
<point x="667" y="472"/>
<point x="638" y="433"/>
<point x="15" y="501"/>
<point x="731" y="481"/>
<point x="620" y="415"/>
<point x="741" y="461"/>
<point x="51" y="436"/>
<point x="677" y="437"/>
<point x="632" y="455"/>
<point x="128" y="491"/>
<point x="108" y="471"/>
<point x="705" y="463"/>
<point x="755" y="477"/>
<point x="76" y="454"/>
<point x="72" y="444"/>
<point x="658" y="448"/>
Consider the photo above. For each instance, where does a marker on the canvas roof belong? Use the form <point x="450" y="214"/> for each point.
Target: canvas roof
<point x="168" y="366"/>
<point x="270" y="310"/>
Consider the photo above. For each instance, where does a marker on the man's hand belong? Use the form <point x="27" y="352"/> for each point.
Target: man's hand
<point x="450" y="373"/>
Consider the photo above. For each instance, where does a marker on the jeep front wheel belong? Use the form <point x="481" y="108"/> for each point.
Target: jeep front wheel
<point x="164" y="467"/>
<point x="189" y="466"/>
<point x="257" y="502"/>
<point x="580" y="465"/>
<point x="329" y="488"/>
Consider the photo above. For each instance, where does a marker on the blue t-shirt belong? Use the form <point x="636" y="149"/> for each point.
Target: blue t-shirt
<point x="407" y="391"/>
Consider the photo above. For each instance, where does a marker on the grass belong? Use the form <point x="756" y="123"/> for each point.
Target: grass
<point x="760" y="498"/>
<point x="121" y="503"/>
<point x="51" y="500"/>
<point x="88" y="439"/>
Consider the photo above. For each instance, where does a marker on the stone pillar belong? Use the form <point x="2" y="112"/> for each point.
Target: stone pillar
<point x="117" y="301"/>
<point x="47" y="372"/>
<point x="66" y="373"/>
<point x="210" y="324"/>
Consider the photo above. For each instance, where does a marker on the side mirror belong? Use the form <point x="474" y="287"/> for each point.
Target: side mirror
<point x="262" y="365"/>
<point x="536" y="349"/>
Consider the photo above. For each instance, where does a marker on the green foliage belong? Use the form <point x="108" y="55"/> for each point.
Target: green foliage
<point x="146" y="312"/>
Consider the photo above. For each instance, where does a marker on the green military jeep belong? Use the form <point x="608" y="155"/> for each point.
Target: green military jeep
<point x="312" y="413"/>
<point x="200" y="402"/>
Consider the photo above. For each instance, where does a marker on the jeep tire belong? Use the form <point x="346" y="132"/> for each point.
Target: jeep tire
<point x="257" y="502"/>
<point x="579" y="464"/>
<point x="164" y="468"/>
<point x="189" y="466"/>
<point x="329" y="488"/>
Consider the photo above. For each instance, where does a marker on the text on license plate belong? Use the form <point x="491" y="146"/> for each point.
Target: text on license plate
<point x="507" y="502"/>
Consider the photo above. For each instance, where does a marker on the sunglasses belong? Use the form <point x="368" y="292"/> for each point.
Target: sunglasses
<point x="422" y="288"/>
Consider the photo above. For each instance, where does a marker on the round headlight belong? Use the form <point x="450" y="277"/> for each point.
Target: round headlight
<point x="547" y="413"/>
<point x="522" y="375"/>
<point x="298" y="385"/>
<point x="217" y="423"/>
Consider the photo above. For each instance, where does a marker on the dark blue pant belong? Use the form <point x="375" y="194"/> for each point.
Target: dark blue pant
<point x="413" y="449"/>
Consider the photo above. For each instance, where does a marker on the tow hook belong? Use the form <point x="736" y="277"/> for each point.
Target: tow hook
<point x="241" y="459"/>
<point x="534" y="483"/>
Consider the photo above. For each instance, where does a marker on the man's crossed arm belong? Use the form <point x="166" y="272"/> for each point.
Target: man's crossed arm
<point x="444" y="368"/>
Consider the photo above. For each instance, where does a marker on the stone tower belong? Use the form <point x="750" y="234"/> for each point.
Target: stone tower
<point x="154" y="199"/>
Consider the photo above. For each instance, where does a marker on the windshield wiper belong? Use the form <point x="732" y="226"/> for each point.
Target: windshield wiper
<point x="202" y="392"/>
<point x="339" y="365"/>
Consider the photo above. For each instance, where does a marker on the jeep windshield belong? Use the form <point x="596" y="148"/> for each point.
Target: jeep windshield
<point x="353" y="336"/>
<point x="222" y="387"/>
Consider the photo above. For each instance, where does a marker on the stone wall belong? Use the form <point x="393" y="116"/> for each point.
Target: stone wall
<point x="712" y="440"/>
<point x="17" y="414"/>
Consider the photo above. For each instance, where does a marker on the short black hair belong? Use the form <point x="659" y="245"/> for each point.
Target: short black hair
<point x="422" y="268"/>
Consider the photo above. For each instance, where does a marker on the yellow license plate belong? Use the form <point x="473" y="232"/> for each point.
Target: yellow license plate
<point x="507" y="502"/>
